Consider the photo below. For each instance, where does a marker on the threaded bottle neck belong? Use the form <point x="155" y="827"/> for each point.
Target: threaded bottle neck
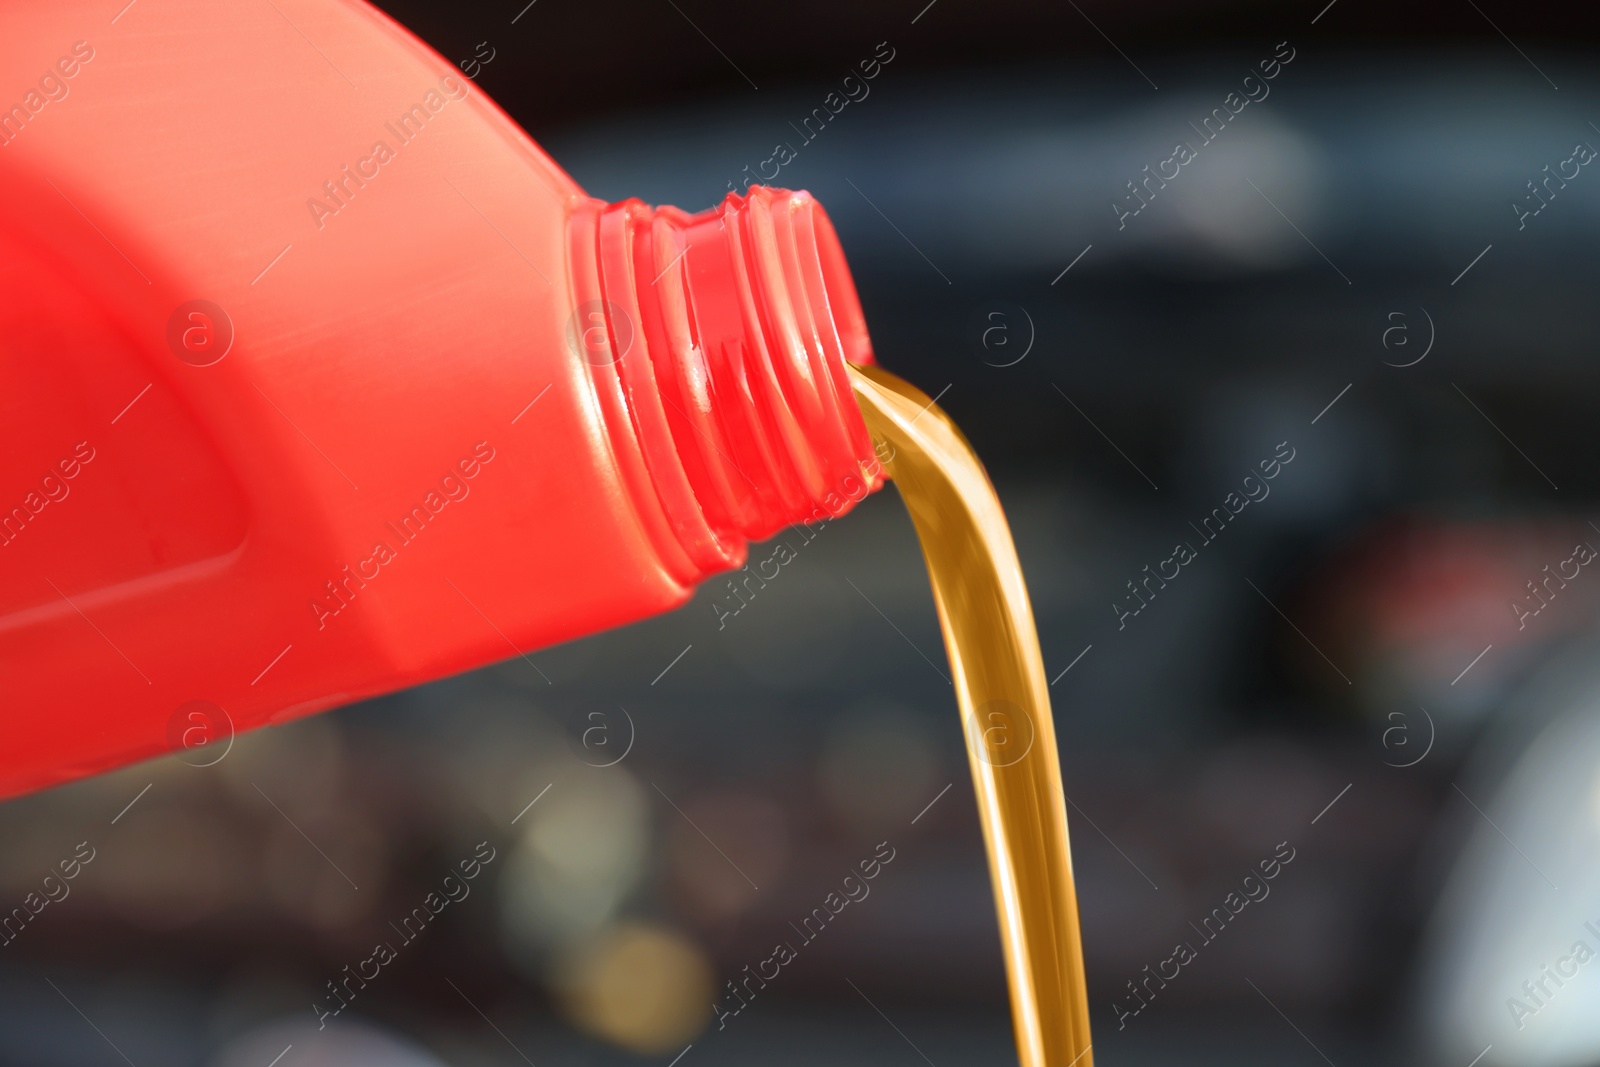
<point x="717" y="344"/>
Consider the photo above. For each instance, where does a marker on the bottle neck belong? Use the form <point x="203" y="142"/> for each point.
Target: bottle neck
<point x="717" y="345"/>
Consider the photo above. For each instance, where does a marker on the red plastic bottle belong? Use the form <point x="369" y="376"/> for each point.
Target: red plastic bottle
<point x="320" y="379"/>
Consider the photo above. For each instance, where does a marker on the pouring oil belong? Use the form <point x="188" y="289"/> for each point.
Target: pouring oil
<point x="1005" y="712"/>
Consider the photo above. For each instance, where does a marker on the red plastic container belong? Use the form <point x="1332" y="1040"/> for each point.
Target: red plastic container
<point x="318" y="378"/>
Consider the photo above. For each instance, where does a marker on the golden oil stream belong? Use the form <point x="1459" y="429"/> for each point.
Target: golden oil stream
<point x="1005" y="711"/>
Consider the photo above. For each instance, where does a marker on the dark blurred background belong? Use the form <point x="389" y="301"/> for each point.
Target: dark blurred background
<point x="1386" y="662"/>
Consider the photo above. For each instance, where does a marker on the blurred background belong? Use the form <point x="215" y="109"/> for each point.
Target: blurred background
<point x="1383" y="663"/>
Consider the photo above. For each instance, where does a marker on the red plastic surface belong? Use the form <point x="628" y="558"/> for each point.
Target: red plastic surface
<point x="319" y="379"/>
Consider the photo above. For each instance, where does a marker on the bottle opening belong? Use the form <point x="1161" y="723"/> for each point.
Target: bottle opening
<point x="718" y="344"/>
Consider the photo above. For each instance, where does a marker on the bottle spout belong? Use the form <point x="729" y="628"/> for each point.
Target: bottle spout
<point x="719" y="342"/>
